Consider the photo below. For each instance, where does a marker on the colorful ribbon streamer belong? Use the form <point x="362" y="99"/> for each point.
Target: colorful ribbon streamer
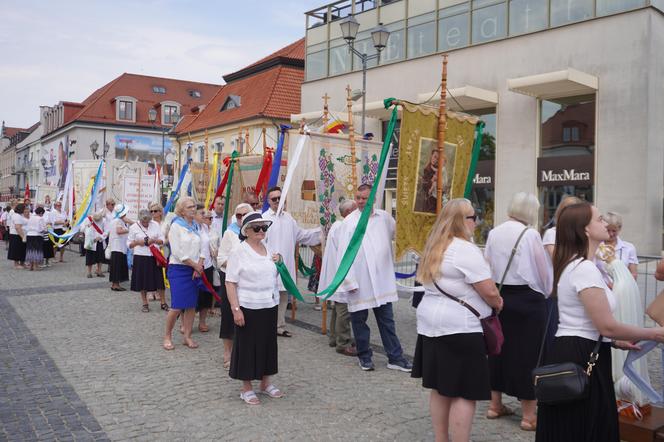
<point x="231" y="167"/>
<point x="222" y="186"/>
<point x="215" y="165"/>
<point x="174" y="195"/>
<point x="358" y="235"/>
<point x="276" y="164"/>
<point x="261" y="183"/>
<point x="304" y="270"/>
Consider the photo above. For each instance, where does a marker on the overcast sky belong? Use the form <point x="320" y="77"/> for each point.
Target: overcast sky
<point x="63" y="50"/>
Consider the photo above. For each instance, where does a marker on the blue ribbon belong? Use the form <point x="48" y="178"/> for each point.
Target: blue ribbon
<point x="276" y="163"/>
<point x="404" y="275"/>
<point x="183" y="173"/>
<point x="656" y="399"/>
<point x="235" y="228"/>
<point x="193" y="227"/>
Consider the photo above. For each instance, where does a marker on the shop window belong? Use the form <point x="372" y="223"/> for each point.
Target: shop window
<point x="489" y="22"/>
<point x="606" y="7"/>
<point x="317" y="65"/>
<point x="528" y="16"/>
<point x="567" y="11"/>
<point x="453" y="27"/>
<point x="421" y="35"/>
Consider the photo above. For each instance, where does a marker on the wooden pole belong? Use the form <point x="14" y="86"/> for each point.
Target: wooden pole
<point x="442" y="130"/>
<point x="246" y="141"/>
<point x="326" y="110"/>
<point x="303" y="123"/>
<point x="351" y="136"/>
<point x="264" y="131"/>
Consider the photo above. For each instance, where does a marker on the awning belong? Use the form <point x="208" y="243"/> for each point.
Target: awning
<point x="463" y="98"/>
<point x="308" y="116"/>
<point x="565" y="83"/>
<point x="373" y="109"/>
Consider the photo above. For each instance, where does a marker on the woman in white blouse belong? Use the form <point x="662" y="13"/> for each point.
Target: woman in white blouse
<point x="229" y="242"/>
<point x="58" y="220"/>
<point x="117" y="241"/>
<point x="34" y="253"/>
<point x="253" y="293"/>
<point x="146" y="276"/>
<point x="185" y="265"/>
<point x="17" y="220"/>
<point x="585" y="305"/>
<point x="205" y="298"/>
<point x="450" y="354"/>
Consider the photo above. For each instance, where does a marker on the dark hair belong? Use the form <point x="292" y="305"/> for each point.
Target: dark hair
<point x="39" y="211"/>
<point x="364" y="187"/>
<point x="200" y="206"/>
<point x="571" y="238"/>
<point x="273" y="189"/>
<point x="19" y="208"/>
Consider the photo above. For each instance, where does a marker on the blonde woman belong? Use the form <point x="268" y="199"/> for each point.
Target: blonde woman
<point x="450" y="354"/>
<point x="625" y="251"/>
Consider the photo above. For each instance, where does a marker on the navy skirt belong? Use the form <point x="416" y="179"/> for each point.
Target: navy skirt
<point x="184" y="289"/>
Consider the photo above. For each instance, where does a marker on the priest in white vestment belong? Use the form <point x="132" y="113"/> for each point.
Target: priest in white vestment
<point x="372" y="281"/>
<point x="283" y="235"/>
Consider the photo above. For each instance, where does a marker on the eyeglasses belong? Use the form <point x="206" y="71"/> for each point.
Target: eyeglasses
<point x="259" y="228"/>
<point x="155" y="211"/>
<point x="276" y="199"/>
<point x="240" y="215"/>
<point x="473" y="217"/>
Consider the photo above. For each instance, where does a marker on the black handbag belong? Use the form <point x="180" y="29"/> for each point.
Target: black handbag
<point x="563" y="382"/>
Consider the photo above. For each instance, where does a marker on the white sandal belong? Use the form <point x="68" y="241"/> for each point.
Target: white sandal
<point x="272" y="391"/>
<point x="250" y="397"/>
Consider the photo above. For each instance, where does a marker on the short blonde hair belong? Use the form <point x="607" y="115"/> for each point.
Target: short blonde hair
<point x="155" y="206"/>
<point x="614" y="219"/>
<point x="182" y="203"/>
<point x="524" y="207"/>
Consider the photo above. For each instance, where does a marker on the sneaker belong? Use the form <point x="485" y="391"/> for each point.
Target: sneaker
<point x="367" y="365"/>
<point x="401" y="365"/>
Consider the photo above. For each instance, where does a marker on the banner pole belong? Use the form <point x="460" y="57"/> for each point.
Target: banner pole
<point x="351" y="137"/>
<point x="442" y="130"/>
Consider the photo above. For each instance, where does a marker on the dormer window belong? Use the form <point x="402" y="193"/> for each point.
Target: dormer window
<point x="170" y="110"/>
<point x="125" y="109"/>
<point x="232" y="102"/>
<point x="159" y="89"/>
<point x="195" y="94"/>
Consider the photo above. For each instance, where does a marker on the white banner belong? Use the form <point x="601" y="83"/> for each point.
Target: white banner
<point x="138" y="192"/>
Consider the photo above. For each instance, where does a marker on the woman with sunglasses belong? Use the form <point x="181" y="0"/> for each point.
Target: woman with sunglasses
<point x="520" y="263"/>
<point x="205" y="299"/>
<point x="253" y="293"/>
<point x="229" y="242"/>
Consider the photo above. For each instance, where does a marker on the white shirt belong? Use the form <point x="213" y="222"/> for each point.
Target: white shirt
<point x="218" y="222"/>
<point x="531" y="265"/>
<point x="282" y="236"/>
<point x="3" y="218"/>
<point x="35" y="226"/>
<point x="184" y="244"/>
<point x="229" y="243"/>
<point x="437" y="315"/>
<point x="138" y="232"/>
<point x="205" y="246"/>
<point x="580" y="274"/>
<point x="57" y="219"/>
<point x="16" y="218"/>
<point x="371" y="277"/>
<point x="117" y="241"/>
<point x="549" y="237"/>
<point x="92" y="236"/>
<point x="330" y="264"/>
<point x="256" y="277"/>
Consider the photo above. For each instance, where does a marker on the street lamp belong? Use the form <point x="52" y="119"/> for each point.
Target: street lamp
<point x="107" y="147"/>
<point x="380" y="35"/>
<point x="93" y="148"/>
<point x="43" y="163"/>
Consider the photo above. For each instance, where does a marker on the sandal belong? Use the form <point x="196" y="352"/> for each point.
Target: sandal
<point x="168" y="345"/>
<point x="527" y="425"/>
<point x="146" y="308"/>
<point x="164" y="307"/>
<point x="504" y="411"/>
<point x="250" y="397"/>
<point x="272" y="391"/>
<point x="227" y="365"/>
<point x="203" y="328"/>
<point x="285" y="334"/>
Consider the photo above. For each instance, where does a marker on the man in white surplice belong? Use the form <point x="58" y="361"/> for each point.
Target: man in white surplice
<point x="372" y="281"/>
<point x="339" y="318"/>
<point x="282" y="236"/>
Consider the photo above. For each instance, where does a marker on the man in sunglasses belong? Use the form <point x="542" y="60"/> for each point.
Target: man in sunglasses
<point x="282" y="237"/>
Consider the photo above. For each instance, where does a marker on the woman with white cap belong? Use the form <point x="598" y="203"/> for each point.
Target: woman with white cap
<point x="253" y="294"/>
<point x="117" y="241"/>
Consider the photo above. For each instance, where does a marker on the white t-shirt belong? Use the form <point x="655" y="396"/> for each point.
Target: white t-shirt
<point x="438" y="315"/>
<point x="255" y="276"/>
<point x="35" y="226"/>
<point x="184" y="244"/>
<point x="138" y="232"/>
<point x="580" y="274"/>
<point x="16" y="218"/>
<point x="549" y="237"/>
<point x="117" y="241"/>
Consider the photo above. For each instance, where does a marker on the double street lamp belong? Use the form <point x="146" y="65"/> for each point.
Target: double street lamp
<point x="380" y="35"/>
<point x="95" y="146"/>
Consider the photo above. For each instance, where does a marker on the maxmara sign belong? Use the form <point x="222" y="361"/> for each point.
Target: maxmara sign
<point x="575" y="170"/>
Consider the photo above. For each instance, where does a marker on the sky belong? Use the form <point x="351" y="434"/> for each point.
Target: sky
<point x="63" y="51"/>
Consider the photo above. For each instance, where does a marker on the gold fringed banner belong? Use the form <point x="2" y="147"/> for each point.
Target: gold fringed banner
<point x="418" y="167"/>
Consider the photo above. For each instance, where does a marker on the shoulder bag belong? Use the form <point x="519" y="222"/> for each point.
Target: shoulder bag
<point x="563" y="382"/>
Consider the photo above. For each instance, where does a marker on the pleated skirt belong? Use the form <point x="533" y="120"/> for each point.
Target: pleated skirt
<point x="453" y="365"/>
<point x="184" y="290"/>
<point x="95" y="256"/>
<point x="594" y="419"/>
<point x="523" y="319"/>
<point x="205" y="298"/>
<point x="146" y="275"/>
<point x="16" y="250"/>
<point x="34" y="249"/>
<point x="227" y="328"/>
<point x="255" y="345"/>
<point x="118" y="268"/>
<point x="48" y="248"/>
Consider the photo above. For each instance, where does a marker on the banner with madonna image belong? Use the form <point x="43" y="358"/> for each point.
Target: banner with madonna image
<point x="417" y="174"/>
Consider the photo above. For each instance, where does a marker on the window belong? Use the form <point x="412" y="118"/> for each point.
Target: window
<point x="489" y="22"/>
<point x="126" y="110"/>
<point x="453" y="29"/>
<point x="195" y="94"/>
<point x="394" y="51"/>
<point x="169" y="112"/>
<point x="606" y="7"/>
<point x="421" y="35"/>
<point x="364" y="44"/>
<point x="339" y="58"/>
<point x="568" y="11"/>
<point x="527" y="16"/>
<point x="232" y="102"/>
<point x="316" y="65"/>
<point x="159" y="89"/>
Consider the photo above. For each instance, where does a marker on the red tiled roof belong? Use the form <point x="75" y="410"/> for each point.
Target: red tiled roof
<point x="294" y="51"/>
<point x="99" y="107"/>
<point x="11" y="131"/>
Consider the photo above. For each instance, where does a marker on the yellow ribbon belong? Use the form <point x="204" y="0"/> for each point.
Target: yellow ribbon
<point x="213" y="179"/>
<point x="77" y="215"/>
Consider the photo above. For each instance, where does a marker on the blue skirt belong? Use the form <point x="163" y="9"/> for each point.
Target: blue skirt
<point x="184" y="289"/>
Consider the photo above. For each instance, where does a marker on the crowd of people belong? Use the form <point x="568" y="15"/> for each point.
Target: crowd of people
<point x="550" y="292"/>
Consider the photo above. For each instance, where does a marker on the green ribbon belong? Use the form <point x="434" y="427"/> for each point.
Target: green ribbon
<point x="358" y="235"/>
<point x="306" y="271"/>
<point x="479" y="128"/>
<point x="229" y="184"/>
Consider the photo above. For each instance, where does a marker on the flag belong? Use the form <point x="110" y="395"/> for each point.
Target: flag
<point x="334" y="127"/>
<point x="27" y="189"/>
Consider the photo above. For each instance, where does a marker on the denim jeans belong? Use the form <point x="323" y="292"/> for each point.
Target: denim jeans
<point x="385" y="319"/>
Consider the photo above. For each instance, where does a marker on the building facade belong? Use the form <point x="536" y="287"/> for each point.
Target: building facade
<point x="570" y="90"/>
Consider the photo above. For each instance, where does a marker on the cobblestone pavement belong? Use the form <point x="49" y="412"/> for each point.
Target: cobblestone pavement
<point x="79" y="362"/>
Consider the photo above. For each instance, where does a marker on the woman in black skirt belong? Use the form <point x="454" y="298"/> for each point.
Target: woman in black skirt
<point x="34" y="250"/>
<point x="117" y="241"/>
<point x="519" y="262"/>
<point x="582" y="294"/>
<point x="450" y="354"/>
<point x="17" y="221"/>
<point x="146" y="276"/>
<point x="253" y="293"/>
<point x="58" y="220"/>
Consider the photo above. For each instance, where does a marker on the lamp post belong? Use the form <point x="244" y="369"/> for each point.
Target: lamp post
<point x="380" y="35"/>
<point x="107" y="147"/>
<point x="43" y="163"/>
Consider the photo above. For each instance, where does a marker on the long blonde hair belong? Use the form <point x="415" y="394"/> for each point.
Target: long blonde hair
<point x="450" y="224"/>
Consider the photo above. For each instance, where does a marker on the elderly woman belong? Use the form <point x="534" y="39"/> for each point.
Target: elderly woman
<point x="204" y="220"/>
<point x="185" y="264"/>
<point x="17" y="222"/>
<point x="253" y="293"/>
<point x="522" y="266"/>
<point x="34" y="230"/>
<point x="117" y="241"/>
<point x="146" y="276"/>
<point x="624" y="251"/>
<point x="450" y="354"/>
<point x="58" y="220"/>
<point x="94" y="244"/>
<point x="229" y="242"/>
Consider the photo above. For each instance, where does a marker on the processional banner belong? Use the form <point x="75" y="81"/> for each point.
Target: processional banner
<point x="417" y="172"/>
<point x="323" y="177"/>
